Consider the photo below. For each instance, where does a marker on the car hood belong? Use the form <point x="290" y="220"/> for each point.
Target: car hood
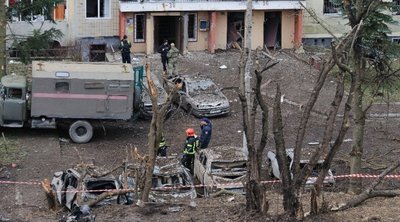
<point x="210" y="100"/>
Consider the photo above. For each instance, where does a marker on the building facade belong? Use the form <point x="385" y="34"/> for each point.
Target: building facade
<point x="209" y="25"/>
<point x="332" y="17"/>
<point x="96" y="26"/>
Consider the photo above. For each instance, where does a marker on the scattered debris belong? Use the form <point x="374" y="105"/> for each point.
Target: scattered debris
<point x="221" y="169"/>
<point x="223" y="67"/>
<point x="305" y="156"/>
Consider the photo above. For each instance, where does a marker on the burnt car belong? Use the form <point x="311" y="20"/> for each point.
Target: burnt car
<point x="171" y="181"/>
<point x="221" y="168"/>
<point x="66" y="185"/>
<point x="201" y="97"/>
<point x="146" y="105"/>
<point x="306" y="154"/>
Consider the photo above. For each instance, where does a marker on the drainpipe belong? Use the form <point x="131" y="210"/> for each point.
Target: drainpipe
<point x="298" y="29"/>
<point x="212" y="34"/>
<point x="122" y="23"/>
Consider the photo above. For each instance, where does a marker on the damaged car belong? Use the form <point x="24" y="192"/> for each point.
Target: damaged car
<point x="305" y="156"/>
<point x="171" y="181"/>
<point x="221" y="168"/>
<point x="201" y="97"/>
<point x="66" y="186"/>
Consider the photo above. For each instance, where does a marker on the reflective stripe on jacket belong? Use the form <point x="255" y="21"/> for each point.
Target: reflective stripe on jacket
<point x="191" y="145"/>
<point x="162" y="143"/>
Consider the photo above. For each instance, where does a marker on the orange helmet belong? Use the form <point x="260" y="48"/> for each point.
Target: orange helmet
<point x="190" y="132"/>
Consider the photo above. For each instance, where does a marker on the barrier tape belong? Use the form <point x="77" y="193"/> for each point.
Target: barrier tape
<point x="230" y="185"/>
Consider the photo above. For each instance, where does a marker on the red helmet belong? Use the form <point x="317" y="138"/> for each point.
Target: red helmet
<point x="190" y="132"/>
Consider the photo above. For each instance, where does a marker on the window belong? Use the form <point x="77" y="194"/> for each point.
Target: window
<point x="396" y="40"/>
<point x="192" y="27"/>
<point x="31" y="14"/>
<point x="14" y="93"/>
<point x="98" y="8"/>
<point x="62" y="87"/>
<point x="140" y="27"/>
<point x="332" y="6"/>
<point x="396" y="7"/>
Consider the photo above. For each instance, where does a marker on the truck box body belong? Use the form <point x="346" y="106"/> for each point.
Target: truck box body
<point x="82" y="90"/>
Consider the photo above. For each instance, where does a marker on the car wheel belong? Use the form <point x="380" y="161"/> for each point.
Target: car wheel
<point x="81" y="131"/>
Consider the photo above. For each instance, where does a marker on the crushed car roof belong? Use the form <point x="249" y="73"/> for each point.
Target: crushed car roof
<point x="225" y="153"/>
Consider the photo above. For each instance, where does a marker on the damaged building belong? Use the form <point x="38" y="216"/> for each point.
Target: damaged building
<point x="209" y="25"/>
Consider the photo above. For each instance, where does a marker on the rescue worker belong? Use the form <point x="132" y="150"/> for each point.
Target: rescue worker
<point x="125" y="47"/>
<point x="163" y="50"/>
<point x="162" y="147"/>
<point x="191" y="146"/>
<point x="206" y="131"/>
<point x="172" y="55"/>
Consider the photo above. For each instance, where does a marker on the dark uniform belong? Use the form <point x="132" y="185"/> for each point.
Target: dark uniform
<point x="162" y="147"/>
<point x="125" y="47"/>
<point x="163" y="50"/>
<point x="206" y="131"/>
<point x="191" y="146"/>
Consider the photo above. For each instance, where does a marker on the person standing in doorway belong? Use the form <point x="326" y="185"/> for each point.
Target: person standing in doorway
<point x="163" y="50"/>
<point x="172" y="56"/>
<point x="125" y="47"/>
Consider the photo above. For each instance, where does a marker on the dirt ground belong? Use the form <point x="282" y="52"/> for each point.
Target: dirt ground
<point x="48" y="151"/>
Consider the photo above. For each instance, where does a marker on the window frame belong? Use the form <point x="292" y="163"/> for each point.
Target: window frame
<point x="194" y="29"/>
<point x="109" y="16"/>
<point x="18" y="18"/>
<point x="329" y="5"/>
<point x="135" y="22"/>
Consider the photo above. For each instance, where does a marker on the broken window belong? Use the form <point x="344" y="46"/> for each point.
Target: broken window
<point x="396" y="7"/>
<point x="62" y="87"/>
<point x="140" y="27"/>
<point x="396" y="40"/>
<point x="31" y="11"/>
<point x="332" y="6"/>
<point x="98" y="8"/>
<point x="192" y="27"/>
<point x="14" y="93"/>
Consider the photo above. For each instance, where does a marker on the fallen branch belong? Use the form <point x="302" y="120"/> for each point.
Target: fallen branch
<point x="222" y="192"/>
<point x="370" y="192"/>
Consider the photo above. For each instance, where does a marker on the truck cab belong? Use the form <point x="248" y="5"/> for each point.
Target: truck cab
<point x="13" y="101"/>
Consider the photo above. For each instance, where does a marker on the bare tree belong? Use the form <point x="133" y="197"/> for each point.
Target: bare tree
<point x="155" y="131"/>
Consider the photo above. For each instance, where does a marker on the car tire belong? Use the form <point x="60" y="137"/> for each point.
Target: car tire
<point x="81" y="131"/>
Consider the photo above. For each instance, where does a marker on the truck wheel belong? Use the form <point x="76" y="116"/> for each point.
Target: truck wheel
<point x="81" y="131"/>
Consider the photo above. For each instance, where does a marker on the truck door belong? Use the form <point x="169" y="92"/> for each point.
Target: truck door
<point x="117" y="97"/>
<point x="14" y="105"/>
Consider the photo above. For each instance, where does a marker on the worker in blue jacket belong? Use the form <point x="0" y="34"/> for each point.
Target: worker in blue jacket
<point x="206" y="131"/>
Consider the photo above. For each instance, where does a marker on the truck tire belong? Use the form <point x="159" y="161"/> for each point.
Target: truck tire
<point x="81" y="131"/>
<point x="137" y="97"/>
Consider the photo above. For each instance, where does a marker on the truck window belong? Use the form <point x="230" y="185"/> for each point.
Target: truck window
<point x="62" y="87"/>
<point x="14" y="93"/>
<point x="94" y="85"/>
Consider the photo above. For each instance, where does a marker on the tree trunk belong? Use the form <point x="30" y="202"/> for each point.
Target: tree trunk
<point x="3" y="26"/>
<point x="359" y="125"/>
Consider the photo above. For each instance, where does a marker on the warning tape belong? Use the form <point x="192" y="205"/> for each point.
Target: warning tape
<point x="230" y="185"/>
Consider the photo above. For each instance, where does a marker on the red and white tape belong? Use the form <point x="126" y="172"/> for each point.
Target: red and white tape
<point x="238" y="184"/>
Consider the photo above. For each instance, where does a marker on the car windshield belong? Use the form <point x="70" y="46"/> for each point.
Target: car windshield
<point x="205" y="86"/>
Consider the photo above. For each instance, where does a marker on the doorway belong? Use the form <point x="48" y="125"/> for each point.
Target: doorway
<point x="235" y="29"/>
<point x="272" y="30"/>
<point x="167" y="28"/>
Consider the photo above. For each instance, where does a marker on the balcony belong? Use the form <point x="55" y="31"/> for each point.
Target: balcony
<point x="205" y="5"/>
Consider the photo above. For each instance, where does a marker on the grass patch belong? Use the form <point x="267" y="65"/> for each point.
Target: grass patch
<point x="10" y="151"/>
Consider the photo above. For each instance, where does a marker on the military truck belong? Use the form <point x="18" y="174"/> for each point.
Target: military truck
<point x="77" y="94"/>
